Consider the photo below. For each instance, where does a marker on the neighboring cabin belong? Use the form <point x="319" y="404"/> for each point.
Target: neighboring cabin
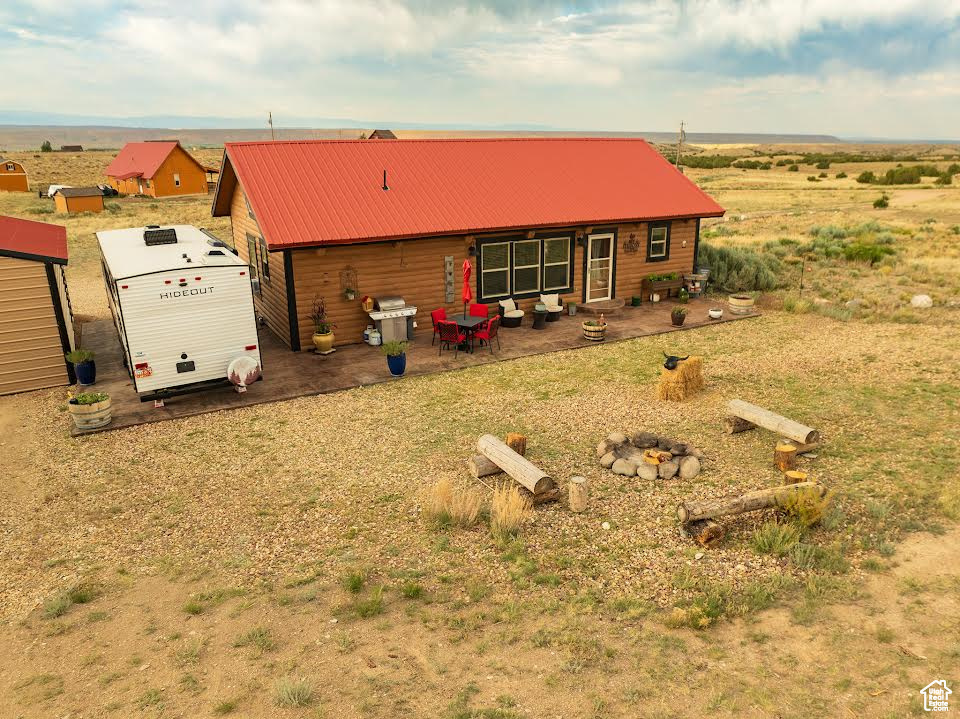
<point x="71" y="148"/>
<point x="382" y="135"/>
<point x="159" y="168"/>
<point x="588" y="218"/>
<point x="36" y="322"/>
<point x="13" y="178"/>
<point x="71" y="200"/>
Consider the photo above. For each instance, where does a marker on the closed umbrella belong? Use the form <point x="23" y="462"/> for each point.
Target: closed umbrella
<point x="467" y="294"/>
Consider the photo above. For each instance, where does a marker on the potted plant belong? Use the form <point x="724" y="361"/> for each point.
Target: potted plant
<point x="683" y="296"/>
<point x="396" y="352"/>
<point x="323" y="328"/>
<point x="90" y="410"/>
<point x="350" y="294"/>
<point x="83" y="365"/>
<point x="741" y="303"/>
<point x="677" y="315"/>
<point x="571" y="308"/>
<point x="595" y="330"/>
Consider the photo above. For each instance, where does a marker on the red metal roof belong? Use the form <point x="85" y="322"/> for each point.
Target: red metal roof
<point x="31" y="240"/>
<point x="330" y="191"/>
<point x="140" y="159"/>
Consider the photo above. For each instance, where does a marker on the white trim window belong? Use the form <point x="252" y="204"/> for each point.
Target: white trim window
<point x="495" y="269"/>
<point x="176" y="179"/>
<point x="659" y="247"/>
<point x="556" y="263"/>
<point x="526" y="266"/>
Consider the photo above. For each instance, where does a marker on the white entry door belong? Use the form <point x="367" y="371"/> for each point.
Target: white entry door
<point x="599" y="267"/>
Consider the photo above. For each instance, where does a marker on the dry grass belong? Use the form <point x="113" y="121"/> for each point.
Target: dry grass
<point x="509" y="511"/>
<point x="449" y="504"/>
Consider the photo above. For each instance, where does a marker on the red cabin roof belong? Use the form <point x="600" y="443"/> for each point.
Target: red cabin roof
<point x="31" y="240"/>
<point x="308" y="193"/>
<point x="140" y="159"/>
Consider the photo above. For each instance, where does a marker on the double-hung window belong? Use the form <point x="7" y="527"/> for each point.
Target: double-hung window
<point x="524" y="267"/>
<point x="658" y="242"/>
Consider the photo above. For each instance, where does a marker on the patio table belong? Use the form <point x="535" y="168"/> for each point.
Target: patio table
<point x="468" y="323"/>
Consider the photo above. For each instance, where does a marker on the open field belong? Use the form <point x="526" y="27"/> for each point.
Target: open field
<point x="277" y="561"/>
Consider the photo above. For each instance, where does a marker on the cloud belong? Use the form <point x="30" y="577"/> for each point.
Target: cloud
<point x="627" y="64"/>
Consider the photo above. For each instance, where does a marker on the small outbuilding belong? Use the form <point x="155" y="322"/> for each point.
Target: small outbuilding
<point x="36" y="322"/>
<point x="71" y="200"/>
<point x="71" y="148"/>
<point x="159" y="168"/>
<point x="382" y="135"/>
<point x="13" y="178"/>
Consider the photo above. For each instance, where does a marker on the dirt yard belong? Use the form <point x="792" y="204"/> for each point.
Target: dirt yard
<point x="276" y="560"/>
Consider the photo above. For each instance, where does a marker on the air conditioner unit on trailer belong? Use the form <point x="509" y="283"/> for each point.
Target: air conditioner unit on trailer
<point x="182" y="304"/>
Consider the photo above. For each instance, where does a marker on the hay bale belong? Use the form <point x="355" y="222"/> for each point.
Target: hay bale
<point x="683" y="382"/>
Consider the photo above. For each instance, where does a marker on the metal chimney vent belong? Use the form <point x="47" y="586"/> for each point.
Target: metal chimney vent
<point x="159" y="237"/>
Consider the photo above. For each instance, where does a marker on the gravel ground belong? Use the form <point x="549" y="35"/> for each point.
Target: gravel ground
<point x="259" y="496"/>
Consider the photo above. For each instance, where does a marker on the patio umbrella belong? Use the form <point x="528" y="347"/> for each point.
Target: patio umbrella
<point x="467" y="294"/>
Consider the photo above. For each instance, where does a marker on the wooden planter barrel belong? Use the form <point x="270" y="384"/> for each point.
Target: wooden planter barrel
<point x="741" y="304"/>
<point x="594" y="333"/>
<point x="91" y="416"/>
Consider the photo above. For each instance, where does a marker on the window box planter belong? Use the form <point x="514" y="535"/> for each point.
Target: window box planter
<point x="664" y="288"/>
<point x="594" y="331"/>
<point x="741" y="304"/>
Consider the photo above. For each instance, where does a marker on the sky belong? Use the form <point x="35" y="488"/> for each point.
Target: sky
<point x="853" y="68"/>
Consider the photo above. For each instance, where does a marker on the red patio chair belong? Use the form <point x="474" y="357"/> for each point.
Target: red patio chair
<point x="450" y="334"/>
<point x="488" y="332"/>
<point x="477" y="310"/>
<point x="437" y="316"/>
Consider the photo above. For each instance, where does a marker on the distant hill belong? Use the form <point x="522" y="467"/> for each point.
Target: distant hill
<point x="28" y="137"/>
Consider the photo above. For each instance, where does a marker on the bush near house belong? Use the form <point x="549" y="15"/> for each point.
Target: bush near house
<point x="738" y="269"/>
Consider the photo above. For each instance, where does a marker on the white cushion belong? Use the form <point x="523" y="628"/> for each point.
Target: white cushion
<point x="552" y="302"/>
<point x="513" y="313"/>
<point x="508" y="305"/>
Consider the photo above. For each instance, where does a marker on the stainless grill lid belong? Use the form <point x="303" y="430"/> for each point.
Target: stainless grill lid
<point x="390" y="302"/>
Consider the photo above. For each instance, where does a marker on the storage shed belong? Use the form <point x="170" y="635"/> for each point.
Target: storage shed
<point x="71" y="200"/>
<point x="36" y="322"/>
<point x="588" y="219"/>
<point x="13" y="178"/>
<point x="159" y="168"/>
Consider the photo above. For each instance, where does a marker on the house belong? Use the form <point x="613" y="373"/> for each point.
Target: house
<point x="71" y="148"/>
<point x="382" y="135"/>
<point x="71" y="200"/>
<point x="13" y="178"/>
<point x="159" y="168"/>
<point x="587" y="218"/>
<point x="36" y="323"/>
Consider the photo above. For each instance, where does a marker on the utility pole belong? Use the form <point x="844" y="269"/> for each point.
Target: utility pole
<point x="270" y="122"/>
<point x="680" y="144"/>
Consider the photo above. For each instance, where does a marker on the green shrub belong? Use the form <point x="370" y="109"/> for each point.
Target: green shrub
<point x="841" y="175"/>
<point x="811" y="178"/>
<point x="793" y="168"/>
<point x="823" y="165"/>
<point x="709" y="162"/>
<point x="46" y="146"/>
<point x="751" y="165"/>
<point x="739" y="269"/>
<point x="866" y="178"/>
<point x="944" y="179"/>
<point x="864" y="252"/>
<point x="881" y="202"/>
<point x="775" y="538"/>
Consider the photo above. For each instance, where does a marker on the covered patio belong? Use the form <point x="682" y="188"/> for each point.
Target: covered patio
<point x="288" y="375"/>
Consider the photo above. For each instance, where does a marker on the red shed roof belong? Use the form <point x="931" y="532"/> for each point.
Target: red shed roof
<point x="321" y="192"/>
<point x="140" y="159"/>
<point x="31" y="240"/>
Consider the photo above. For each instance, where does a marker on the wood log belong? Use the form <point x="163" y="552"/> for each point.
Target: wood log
<point x="705" y="532"/>
<point x="801" y="447"/>
<point x="785" y="456"/>
<point x="517" y="442"/>
<point x="794" y="476"/>
<point x="480" y="466"/>
<point x="772" y="421"/>
<point x="522" y="470"/>
<point x="551" y="495"/>
<point x="749" y="502"/>
<point x="577" y="494"/>
<point x="733" y="425"/>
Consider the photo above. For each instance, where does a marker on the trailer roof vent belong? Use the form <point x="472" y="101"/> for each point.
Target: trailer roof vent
<point x="159" y="237"/>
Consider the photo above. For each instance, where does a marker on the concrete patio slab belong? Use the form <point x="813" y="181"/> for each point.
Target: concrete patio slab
<point x="296" y="374"/>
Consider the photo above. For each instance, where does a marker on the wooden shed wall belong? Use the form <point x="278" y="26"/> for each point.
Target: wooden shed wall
<point x="13" y="180"/>
<point x="193" y="178"/>
<point x="271" y="303"/>
<point x="31" y="352"/>
<point x="73" y="205"/>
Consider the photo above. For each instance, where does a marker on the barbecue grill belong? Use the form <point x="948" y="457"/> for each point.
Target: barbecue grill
<point x="394" y="318"/>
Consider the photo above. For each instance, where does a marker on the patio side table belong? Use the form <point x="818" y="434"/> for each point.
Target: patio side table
<point x="540" y="319"/>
